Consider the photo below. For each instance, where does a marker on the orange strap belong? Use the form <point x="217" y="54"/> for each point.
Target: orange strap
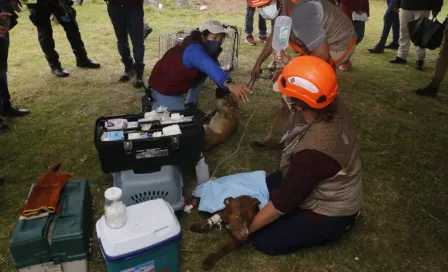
<point x="300" y="50"/>
<point x="349" y="49"/>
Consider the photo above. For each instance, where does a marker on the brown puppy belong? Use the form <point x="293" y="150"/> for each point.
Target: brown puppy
<point x="224" y="121"/>
<point x="237" y="215"/>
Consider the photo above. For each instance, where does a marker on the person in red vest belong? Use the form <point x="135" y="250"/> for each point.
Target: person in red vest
<point x="184" y="68"/>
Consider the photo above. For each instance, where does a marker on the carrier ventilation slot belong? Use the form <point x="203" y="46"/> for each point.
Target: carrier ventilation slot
<point x="150" y="195"/>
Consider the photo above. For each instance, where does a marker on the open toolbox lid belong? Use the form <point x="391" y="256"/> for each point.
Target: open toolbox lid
<point x="149" y="224"/>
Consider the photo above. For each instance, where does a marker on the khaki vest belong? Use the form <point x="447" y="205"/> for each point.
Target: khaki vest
<point x="340" y="195"/>
<point x="338" y="28"/>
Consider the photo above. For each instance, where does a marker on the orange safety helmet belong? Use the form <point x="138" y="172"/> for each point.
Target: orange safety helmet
<point x="258" y="3"/>
<point x="310" y="79"/>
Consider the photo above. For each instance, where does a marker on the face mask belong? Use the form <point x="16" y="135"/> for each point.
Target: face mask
<point x="287" y="101"/>
<point x="212" y="46"/>
<point x="269" y="12"/>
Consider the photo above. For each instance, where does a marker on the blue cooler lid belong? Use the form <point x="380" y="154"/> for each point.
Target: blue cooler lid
<point x="149" y="224"/>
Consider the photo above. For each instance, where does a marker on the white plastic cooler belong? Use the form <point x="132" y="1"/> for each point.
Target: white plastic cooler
<point x="149" y="241"/>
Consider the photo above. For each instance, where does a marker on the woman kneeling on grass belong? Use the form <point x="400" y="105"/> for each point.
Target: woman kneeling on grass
<point x="184" y="68"/>
<point x="317" y="194"/>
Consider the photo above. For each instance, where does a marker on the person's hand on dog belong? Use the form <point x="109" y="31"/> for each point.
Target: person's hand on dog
<point x="241" y="91"/>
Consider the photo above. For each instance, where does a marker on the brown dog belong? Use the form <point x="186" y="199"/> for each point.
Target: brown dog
<point x="237" y="215"/>
<point x="224" y="121"/>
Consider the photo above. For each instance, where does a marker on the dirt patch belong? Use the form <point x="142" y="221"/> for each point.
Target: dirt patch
<point x="228" y="6"/>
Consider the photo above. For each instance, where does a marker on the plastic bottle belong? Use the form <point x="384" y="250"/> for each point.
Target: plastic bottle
<point x="282" y="29"/>
<point x="202" y="173"/>
<point x="114" y="209"/>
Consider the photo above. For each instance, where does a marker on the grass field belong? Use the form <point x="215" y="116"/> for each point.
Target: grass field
<point x="404" y="143"/>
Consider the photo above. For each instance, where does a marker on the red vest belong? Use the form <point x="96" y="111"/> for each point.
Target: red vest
<point x="170" y="76"/>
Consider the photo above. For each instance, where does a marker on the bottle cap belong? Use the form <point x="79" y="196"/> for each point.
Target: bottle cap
<point x="113" y="193"/>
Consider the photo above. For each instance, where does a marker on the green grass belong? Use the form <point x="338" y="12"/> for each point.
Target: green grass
<point x="404" y="144"/>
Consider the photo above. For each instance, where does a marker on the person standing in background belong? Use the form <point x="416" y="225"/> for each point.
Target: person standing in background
<point x="412" y="10"/>
<point x="358" y="12"/>
<point x="391" y="20"/>
<point x="40" y="14"/>
<point x="8" y="19"/>
<point x="263" y="35"/>
<point x="127" y="18"/>
<point x="440" y="70"/>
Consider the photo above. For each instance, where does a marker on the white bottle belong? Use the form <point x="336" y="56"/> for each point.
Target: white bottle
<point x="280" y="38"/>
<point x="202" y="173"/>
<point x="114" y="209"/>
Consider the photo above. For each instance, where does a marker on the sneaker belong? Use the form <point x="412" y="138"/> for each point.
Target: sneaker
<point x="393" y="46"/>
<point x="250" y="40"/>
<point x="266" y="144"/>
<point x="263" y="38"/>
<point x="419" y="65"/>
<point x="427" y="91"/>
<point x="398" y="60"/>
<point x="345" y="67"/>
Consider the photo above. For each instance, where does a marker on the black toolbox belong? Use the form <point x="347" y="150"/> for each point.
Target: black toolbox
<point x="146" y="155"/>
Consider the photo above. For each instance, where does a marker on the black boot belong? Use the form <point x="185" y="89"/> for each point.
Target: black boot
<point x="377" y="49"/>
<point x="419" y="64"/>
<point x="127" y="74"/>
<point x="59" y="71"/>
<point x="392" y="45"/>
<point x="14" y="111"/>
<point x="87" y="63"/>
<point x="398" y="60"/>
<point x="138" y="83"/>
<point x="148" y="30"/>
<point x="3" y="124"/>
<point x="427" y="91"/>
<point x="146" y="104"/>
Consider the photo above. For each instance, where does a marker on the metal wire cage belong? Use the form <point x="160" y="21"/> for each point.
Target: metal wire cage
<point x="228" y="58"/>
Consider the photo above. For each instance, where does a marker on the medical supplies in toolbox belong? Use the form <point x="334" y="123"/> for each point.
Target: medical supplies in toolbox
<point x="148" y="140"/>
<point x="56" y="242"/>
<point x="166" y="184"/>
<point x="149" y="241"/>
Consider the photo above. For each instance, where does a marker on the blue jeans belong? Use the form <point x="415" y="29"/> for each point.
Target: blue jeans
<point x="360" y="28"/>
<point x="175" y="102"/>
<point x="4" y="92"/>
<point x="391" y="20"/>
<point x="129" y="20"/>
<point x="250" y="11"/>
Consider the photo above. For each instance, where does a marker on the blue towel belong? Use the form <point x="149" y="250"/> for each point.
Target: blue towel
<point x="213" y="193"/>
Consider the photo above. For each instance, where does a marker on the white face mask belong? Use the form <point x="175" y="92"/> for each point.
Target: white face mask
<point x="269" y="12"/>
<point x="287" y="101"/>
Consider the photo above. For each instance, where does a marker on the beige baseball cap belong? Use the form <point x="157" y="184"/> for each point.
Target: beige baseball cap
<point x="215" y="27"/>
